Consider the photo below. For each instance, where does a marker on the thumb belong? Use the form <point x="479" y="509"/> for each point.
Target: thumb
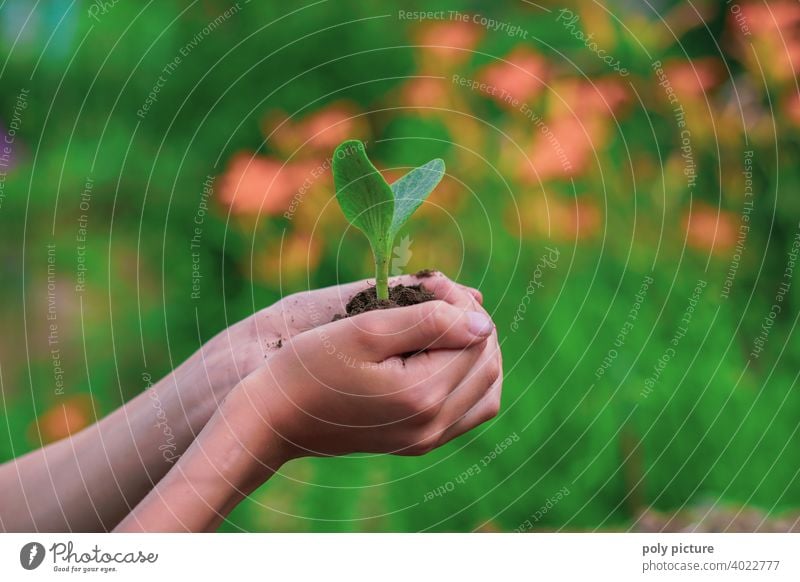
<point x="385" y="333"/>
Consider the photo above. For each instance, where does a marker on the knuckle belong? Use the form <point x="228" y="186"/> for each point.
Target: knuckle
<point x="422" y="405"/>
<point x="422" y="443"/>
<point x="493" y="370"/>
<point x="372" y="327"/>
<point x="494" y="404"/>
<point x="426" y="366"/>
<point x="368" y="331"/>
<point x="433" y="318"/>
<point x="491" y="408"/>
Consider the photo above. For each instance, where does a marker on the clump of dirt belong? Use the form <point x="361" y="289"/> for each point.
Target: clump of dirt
<point x="399" y="296"/>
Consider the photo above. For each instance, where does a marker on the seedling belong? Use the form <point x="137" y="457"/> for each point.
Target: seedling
<point x="373" y="206"/>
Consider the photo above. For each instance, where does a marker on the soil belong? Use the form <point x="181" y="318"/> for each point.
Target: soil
<point x="399" y="296"/>
<point x="425" y="273"/>
<point x="276" y="345"/>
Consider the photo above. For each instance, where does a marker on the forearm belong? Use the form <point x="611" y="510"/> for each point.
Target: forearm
<point x="221" y="467"/>
<point x="90" y="481"/>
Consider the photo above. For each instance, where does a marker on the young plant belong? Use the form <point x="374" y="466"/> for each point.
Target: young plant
<point x="373" y="206"/>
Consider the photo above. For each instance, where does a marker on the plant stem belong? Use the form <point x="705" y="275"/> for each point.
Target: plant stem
<point x="382" y="276"/>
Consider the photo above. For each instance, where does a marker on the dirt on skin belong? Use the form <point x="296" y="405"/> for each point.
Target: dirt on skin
<point x="399" y="296"/>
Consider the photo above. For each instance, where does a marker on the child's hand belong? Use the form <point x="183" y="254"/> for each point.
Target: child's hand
<point x="309" y="309"/>
<point x="346" y="386"/>
<point x="242" y="348"/>
<point x="339" y="388"/>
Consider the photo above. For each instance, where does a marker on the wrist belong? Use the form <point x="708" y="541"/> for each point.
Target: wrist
<point x="206" y="378"/>
<point x="234" y="454"/>
<point x="231" y="457"/>
<point x="256" y="446"/>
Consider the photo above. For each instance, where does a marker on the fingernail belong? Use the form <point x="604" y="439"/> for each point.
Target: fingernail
<point x="479" y="323"/>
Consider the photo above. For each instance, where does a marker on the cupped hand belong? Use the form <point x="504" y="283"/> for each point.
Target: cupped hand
<point x="245" y="346"/>
<point x="351" y="385"/>
<point x="402" y="381"/>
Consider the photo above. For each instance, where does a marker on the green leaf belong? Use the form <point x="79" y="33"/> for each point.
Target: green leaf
<point x="412" y="189"/>
<point x="377" y="209"/>
<point x="365" y="197"/>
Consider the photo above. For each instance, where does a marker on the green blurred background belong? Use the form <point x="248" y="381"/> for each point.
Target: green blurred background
<point x="631" y="225"/>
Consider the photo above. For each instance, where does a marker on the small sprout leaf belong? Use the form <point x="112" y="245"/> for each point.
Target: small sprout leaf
<point x="366" y="199"/>
<point x="377" y="209"/>
<point x="412" y="189"/>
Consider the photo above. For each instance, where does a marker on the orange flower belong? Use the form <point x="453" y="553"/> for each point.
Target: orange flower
<point x="255" y="184"/>
<point x="327" y="128"/>
<point x="63" y="420"/>
<point x="577" y="129"/>
<point x="603" y="96"/>
<point x="772" y="31"/>
<point x="522" y="75"/>
<point x="317" y="133"/>
<point x="693" y="79"/>
<point x="769" y="18"/>
<point x="424" y="93"/>
<point x="446" y="44"/>
<point x="562" y="148"/>
<point x="709" y="229"/>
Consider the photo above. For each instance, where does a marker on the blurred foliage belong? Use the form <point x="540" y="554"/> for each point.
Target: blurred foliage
<point x="587" y="162"/>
